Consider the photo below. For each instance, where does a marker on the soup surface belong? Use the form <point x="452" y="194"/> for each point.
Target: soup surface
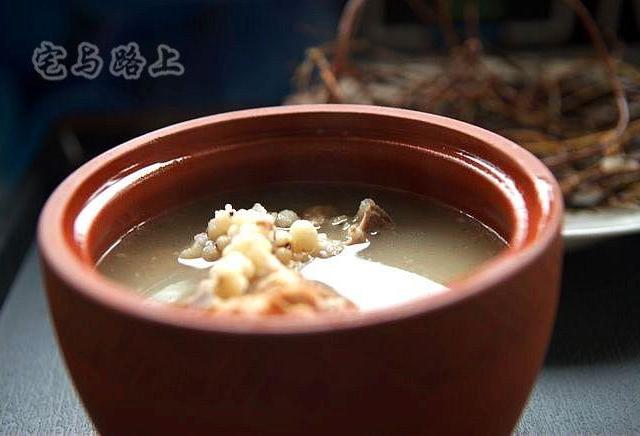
<point x="428" y="245"/>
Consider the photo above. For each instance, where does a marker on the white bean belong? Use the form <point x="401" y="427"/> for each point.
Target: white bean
<point x="284" y="255"/>
<point x="281" y="238"/>
<point x="222" y="242"/>
<point x="220" y="223"/>
<point x="304" y="236"/>
<point x="231" y="285"/>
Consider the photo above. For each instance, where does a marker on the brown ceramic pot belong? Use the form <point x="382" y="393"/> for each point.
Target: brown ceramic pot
<point x="462" y="362"/>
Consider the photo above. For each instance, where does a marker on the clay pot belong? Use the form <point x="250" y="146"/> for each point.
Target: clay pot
<point x="461" y="362"/>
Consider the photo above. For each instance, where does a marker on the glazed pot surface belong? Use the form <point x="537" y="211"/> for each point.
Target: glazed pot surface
<point x="460" y="362"/>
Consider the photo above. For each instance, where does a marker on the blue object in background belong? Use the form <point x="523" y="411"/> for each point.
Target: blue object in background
<point x="236" y="53"/>
<point x="10" y="101"/>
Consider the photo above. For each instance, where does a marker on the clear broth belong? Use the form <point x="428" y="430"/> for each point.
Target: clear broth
<point x="430" y="245"/>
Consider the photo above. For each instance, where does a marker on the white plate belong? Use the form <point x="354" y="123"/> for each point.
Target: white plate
<point x="582" y="228"/>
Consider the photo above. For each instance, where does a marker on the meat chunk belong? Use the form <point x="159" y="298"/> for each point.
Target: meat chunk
<point x="370" y="218"/>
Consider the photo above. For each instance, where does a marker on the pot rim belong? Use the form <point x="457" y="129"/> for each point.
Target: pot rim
<point x="82" y="277"/>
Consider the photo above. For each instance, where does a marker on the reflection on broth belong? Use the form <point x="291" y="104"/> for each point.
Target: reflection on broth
<point x="300" y="248"/>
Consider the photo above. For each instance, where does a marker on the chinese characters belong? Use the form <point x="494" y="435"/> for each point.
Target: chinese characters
<point x="126" y="61"/>
<point x="47" y="61"/>
<point x="167" y="63"/>
<point x="89" y="63"/>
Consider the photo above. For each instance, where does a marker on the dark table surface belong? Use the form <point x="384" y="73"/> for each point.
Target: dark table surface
<point x="590" y="383"/>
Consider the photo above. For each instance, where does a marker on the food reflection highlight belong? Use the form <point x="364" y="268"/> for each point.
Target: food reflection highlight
<point x="370" y="285"/>
<point x="110" y="190"/>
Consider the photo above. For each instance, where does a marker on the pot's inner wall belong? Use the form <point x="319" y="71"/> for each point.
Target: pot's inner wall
<point x="431" y="172"/>
<point x="180" y="164"/>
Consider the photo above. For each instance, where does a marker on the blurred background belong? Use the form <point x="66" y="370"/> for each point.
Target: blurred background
<point x="235" y="54"/>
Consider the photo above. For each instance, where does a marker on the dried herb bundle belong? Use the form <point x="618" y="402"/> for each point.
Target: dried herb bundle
<point x="581" y="115"/>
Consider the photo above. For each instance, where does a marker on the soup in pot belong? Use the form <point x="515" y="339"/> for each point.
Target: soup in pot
<point x="300" y="249"/>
